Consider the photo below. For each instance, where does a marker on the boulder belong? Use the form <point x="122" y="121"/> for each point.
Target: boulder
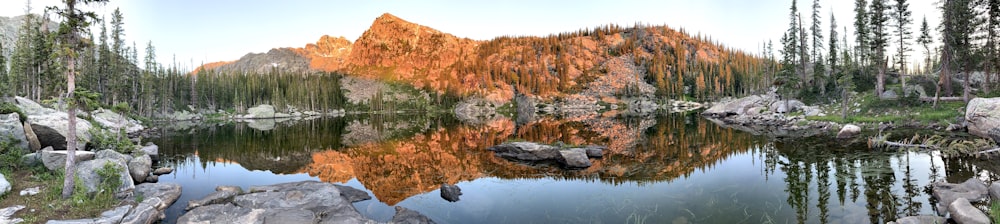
<point x="29" y="134"/>
<point x="849" y="131"/>
<point x="152" y="150"/>
<point x="888" y="94"/>
<point x="353" y="194"/>
<point x="140" y="167"/>
<point x="13" y="129"/>
<point x="221" y="195"/>
<point x="163" y="170"/>
<point x="735" y="107"/>
<point x="575" y="158"/>
<point x="269" y="202"/>
<point x="260" y="111"/>
<point x="112" y="155"/>
<point x="30" y="107"/>
<point x="922" y="219"/>
<point x="964" y="213"/>
<point x="7" y="214"/>
<point x="407" y="216"/>
<point x="55" y="160"/>
<point x="973" y="190"/>
<point x="290" y="216"/>
<point x="167" y="193"/>
<point x="51" y="130"/>
<point x="114" y="121"/>
<point x="144" y="213"/>
<point x="87" y="172"/>
<point x="114" y="215"/>
<point x="31" y="159"/>
<point x="780" y="106"/>
<point x="983" y="118"/>
<point x="995" y="191"/>
<point x="526" y="151"/>
<point x="4" y="185"/>
<point x="450" y="192"/>
<point x="595" y="151"/>
<point x="152" y="179"/>
<point x="30" y="191"/>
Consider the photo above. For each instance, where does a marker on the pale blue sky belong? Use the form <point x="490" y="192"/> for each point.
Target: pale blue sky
<point x="216" y="30"/>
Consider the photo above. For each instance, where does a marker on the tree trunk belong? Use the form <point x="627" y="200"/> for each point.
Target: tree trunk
<point x="70" y="174"/>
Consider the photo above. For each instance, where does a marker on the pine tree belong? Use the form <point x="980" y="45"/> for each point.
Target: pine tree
<point x="861" y="30"/>
<point x="878" y="19"/>
<point x="75" y="21"/>
<point x="925" y="40"/>
<point x="992" y="33"/>
<point x="902" y="18"/>
<point x="819" y="70"/>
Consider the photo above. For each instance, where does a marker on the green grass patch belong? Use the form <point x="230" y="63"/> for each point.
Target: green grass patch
<point x="873" y="110"/>
<point x="995" y="211"/>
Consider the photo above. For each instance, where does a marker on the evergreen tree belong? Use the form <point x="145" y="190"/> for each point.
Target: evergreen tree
<point x="75" y="21"/>
<point x="925" y="40"/>
<point x="878" y="19"/>
<point x="819" y="70"/>
<point x="992" y="33"/>
<point x="902" y="18"/>
<point x="861" y="30"/>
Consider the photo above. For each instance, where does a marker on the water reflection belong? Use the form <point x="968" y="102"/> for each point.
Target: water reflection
<point x="663" y="168"/>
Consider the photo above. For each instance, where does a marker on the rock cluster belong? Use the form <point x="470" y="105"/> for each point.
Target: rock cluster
<point x="571" y="158"/>
<point x="767" y="114"/>
<point x="156" y="197"/>
<point x="296" y="202"/>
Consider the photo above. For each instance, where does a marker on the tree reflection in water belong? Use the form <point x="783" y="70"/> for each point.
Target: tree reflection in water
<point x="398" y="157"/>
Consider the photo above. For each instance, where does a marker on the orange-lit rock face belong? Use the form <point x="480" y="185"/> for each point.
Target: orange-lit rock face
<point x="399" y="169"/>
<point x="328" y="54"/>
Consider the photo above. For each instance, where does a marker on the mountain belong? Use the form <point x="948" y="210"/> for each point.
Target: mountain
<point x="601" y="64"/>
<point x="10" y="30"/>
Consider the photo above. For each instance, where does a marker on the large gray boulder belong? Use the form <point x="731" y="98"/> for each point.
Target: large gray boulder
<point x="11" y="129"/>
<point x="4" y="185"/>
<point x="114" y="121"/>
<point x="87" y="172"/>
<point x="55" y="160"/>
<point x="52" y="126"/>
<point x="140" y="167"/>
<point x="152" y="150"/>
<point x="112" y="216"/>
<point x="574" y="158"/>
<point x="112" y="155"/>
<point x="526" y="151"/>
<point x="29" y="134"/>
<point x="964" y="213"/>
<point x="973" y="190"/>
<point x="260" y="111"/>
<point x="156" y="197"/>
<point x="849" y="131"/>
<point x="923" y="219"/>
<point x="780" y="106"/>
<point x="983" y="117"/>
<point x="735" y="107"/>
<point x="407" y="216"/>
<point x="286" y="202"/>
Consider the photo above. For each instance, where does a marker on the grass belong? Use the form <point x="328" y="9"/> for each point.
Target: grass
<point x="873" y="110"/>
<point x="995" y="211"/>
<point x="48" y="204"/>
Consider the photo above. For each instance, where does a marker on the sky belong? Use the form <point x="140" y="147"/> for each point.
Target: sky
<point x="198" y="31"/>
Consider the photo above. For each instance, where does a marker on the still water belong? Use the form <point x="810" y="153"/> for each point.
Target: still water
<point x="666" y="168"/>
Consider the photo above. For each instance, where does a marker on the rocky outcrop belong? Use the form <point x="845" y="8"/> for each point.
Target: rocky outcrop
<point x="972" y="190"/>
<point x="155" y="199"/>
<point x="52" y="126"/>
<point x="55" y="160"/>
<point x="849" y="131"/>
<point x="450" y="192"/>
<point x="964" y="213"/>
<point x="297" y="202"/>
<point x="183" y="115"/>
<point x="407" y="216"/>
<point x="115" y="121"/>
<point x="12" y="128"/>
<point x="7" y="214"/>
<point x="983" y="117"/>
<point x="152" y="150"/>
<point x="766" y="114"/>
<point x="923" y="219"/>
<point x="572" y="158"/>
<point x="113" y="216"/>
<point x="260" y="111"/>
<point x="222" y="194"/>
<point x="89" y="177"/>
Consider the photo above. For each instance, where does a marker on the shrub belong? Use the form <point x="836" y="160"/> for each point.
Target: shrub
<point x="104" y="139"/>
<point x="6" y="108"/>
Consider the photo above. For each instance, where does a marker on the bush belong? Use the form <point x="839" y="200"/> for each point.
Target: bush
<point x="10" y="156"/>
<point x="6" y="108"/>
<point x="104" y="139"/>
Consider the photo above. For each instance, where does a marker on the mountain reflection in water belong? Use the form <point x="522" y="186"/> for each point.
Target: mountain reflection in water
<point x="662" y="168"/>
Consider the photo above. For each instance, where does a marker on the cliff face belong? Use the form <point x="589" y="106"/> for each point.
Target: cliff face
<point x="604" y="63"/>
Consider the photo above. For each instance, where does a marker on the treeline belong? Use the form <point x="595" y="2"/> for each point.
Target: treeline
<point x="812" y="64"/>
<point x="677" y="64"/>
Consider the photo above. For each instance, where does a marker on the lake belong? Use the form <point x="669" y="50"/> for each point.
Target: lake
<point x="664" y="168"/>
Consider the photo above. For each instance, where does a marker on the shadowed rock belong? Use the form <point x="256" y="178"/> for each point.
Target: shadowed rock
<point x="450" y="192"/>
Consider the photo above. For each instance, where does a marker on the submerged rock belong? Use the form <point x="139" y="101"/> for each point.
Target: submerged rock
<point x="572" y="158"/>
<point x="973" y="190"/>
<point x="450" y="192"/>
<point x="923" y="219"/>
